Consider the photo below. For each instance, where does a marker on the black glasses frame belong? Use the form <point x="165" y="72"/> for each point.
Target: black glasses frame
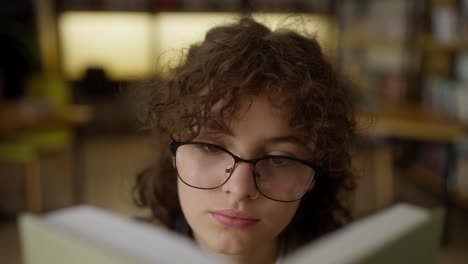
<point x="174" y="145"/>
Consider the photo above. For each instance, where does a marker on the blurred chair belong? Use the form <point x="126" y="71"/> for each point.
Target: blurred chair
<point x="36" y="127"/>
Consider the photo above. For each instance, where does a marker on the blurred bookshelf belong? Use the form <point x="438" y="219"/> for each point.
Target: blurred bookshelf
<point x="409" y="60"/>
<point x="433" y="183"/>
<point x="444" y="84"/>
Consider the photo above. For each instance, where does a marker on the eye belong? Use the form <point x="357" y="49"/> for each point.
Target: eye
<point x="208" y="148"/>
<point x="280" y="161"/>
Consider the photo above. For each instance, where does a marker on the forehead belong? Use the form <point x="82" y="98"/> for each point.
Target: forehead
<point x="260" y="123"/>
<point x="240" y="104"/>
<point x="269" y="114"/>
<point x="262" y="107"/>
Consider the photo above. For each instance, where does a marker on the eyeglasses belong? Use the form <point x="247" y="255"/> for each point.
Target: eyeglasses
<point x="208" y="166"/>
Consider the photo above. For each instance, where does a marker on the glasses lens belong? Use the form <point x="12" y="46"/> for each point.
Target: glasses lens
<point x="203" y="165"/>
<point x="283" y="179"/>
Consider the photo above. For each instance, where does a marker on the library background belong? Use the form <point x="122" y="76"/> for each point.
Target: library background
<point x="68" y="136"/>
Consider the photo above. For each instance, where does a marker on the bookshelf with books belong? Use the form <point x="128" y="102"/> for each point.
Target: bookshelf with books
<point x="445" y="59"/>
<point x="374" y="48"/>
<point x="373" y="52"/>
<point x="411" y="75"/>
<point x="444" y="85"/>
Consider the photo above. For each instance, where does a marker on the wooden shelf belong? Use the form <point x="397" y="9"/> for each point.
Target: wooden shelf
<point x="411" y="122"/>
<point x="428" y="43"/>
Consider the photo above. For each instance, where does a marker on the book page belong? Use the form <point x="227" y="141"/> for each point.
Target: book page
<point x="399" y="234"/>
<point x="102" y="237"/>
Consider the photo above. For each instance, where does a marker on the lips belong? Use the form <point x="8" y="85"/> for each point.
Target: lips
<point x="234" y="218"/>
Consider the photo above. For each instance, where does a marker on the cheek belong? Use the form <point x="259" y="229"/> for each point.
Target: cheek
<point x="187" y="197"/>
<point x="193" y="202"/>
<point x="281" y="214"/>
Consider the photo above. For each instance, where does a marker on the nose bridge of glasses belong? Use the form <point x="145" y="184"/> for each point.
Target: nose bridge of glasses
<point x="239" y="160"/>
<point x="240" y="180"/>
<point x="250" y="167"/>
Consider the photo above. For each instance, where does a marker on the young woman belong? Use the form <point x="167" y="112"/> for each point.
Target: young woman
<point x="255" y="129"/>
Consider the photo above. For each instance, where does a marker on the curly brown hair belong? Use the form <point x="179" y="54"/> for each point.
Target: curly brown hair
<point x="245" y="59"/>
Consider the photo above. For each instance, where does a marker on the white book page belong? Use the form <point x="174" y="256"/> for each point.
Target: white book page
<point x="142" y="242"/>
<point x="358" y="239"/>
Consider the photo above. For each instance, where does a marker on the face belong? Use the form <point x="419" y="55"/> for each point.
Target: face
<point x="257" y="129"/>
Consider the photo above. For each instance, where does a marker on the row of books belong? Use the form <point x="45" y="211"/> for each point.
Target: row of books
<point x="381" y="74"/>
<point x="373" y="48"/>
<point x="450" y="22"/>
<point x="383" y="20"/>
<point x="446" y="96"/>
<point x="459" y="181"/>
<point x="434" y="156"/>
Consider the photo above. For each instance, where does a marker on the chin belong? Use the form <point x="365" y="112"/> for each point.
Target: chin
<point x="229" y="250"/>
<point x="228" y="247"/>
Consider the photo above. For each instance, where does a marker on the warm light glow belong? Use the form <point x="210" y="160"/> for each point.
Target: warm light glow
<point x="176" y="31"/>
<point x="117" y="42"/>
<point x="135" y="45"/>
<point x="303" y="23"/>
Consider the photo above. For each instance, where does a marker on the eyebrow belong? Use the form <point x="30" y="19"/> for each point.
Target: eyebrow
<point x="291" y="139"/>
<point x="284" y="139"/>
<point x="272" y="140"/>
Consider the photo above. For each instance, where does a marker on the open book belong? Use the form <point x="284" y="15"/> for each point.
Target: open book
<point x="83" y="234"/>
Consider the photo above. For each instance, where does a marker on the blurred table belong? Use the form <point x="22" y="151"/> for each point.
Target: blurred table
<point x="15" y="118"/>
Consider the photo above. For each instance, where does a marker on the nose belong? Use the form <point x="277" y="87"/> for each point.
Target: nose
<point x="241" y="184"/>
